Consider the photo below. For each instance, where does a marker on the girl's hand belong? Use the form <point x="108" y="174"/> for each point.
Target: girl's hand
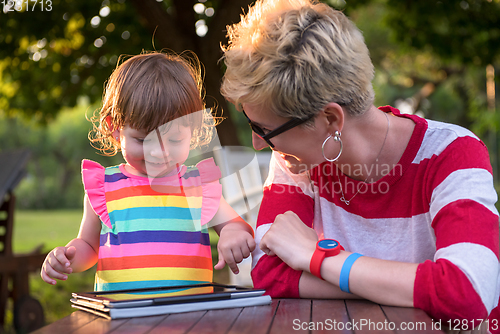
<point x="291" y="240"/>
<point x="234" y="246"/>
<point x="57" y="264"/>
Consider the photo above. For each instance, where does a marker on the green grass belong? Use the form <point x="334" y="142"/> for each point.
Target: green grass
<point x="53" y="229"/>
<point x="50" y="228"/>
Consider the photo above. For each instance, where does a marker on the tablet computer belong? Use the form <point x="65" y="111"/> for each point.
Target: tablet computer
<point x="167" y="295"/>
<point x="167" y="299"/>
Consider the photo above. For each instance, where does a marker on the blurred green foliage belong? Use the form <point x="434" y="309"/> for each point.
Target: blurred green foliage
<point x="50" y="58"/>
<point x="57" y="149"/>
<point x="430" y="57"/>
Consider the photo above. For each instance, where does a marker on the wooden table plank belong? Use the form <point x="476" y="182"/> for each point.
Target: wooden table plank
<point x="68" y="324"/>
<point x="282" y="316"/>
<point x="139" y="325"/>
<point x="255" y="319"/>
<point x="178" y="323"/>
<point x="367" y="317"/>
<point x="332" y="314"/>
<point x="216" y="321"/>
<point x="99" y="325"/>
<point x="409" y="320"/>
<point x="289" y="312"/>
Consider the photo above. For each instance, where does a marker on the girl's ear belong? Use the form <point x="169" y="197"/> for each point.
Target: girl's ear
<point x="114" y="132"/>
<point x="110" y="124"/>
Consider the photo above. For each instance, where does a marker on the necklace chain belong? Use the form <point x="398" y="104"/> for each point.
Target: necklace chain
<point x="347" y="202"/>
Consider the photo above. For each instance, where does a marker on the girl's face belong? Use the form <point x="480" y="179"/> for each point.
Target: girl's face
<point x="157" y="153"/>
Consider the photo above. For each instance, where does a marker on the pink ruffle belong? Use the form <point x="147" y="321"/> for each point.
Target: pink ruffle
<point x="212" y="189"/>
<point x="93" y="183"/>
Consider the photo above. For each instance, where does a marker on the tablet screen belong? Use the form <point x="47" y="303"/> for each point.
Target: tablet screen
<point x="171" y="294"/>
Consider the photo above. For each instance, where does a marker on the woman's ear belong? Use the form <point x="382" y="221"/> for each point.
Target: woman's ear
<point x="334" y="117"/>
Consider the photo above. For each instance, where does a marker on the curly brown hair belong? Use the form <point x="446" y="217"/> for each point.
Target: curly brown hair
<point x="149" y="90"/>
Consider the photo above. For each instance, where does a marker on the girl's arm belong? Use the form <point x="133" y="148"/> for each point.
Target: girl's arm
<point x="79" y="254"/>
<point x="236" y="237"/>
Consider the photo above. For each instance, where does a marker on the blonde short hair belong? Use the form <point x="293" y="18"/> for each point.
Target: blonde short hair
<point x="149" y="90"/>
<point x="295" y="56"/>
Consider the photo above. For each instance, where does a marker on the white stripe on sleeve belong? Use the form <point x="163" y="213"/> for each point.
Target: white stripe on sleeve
<point x="478" y="186"/>
<point x="479" y="264"/>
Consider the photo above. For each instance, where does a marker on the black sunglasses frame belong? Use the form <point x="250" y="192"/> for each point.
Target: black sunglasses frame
<point x="280" y="129"/>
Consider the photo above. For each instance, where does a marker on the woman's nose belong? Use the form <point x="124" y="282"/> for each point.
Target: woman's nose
<point x="257" y="142"/>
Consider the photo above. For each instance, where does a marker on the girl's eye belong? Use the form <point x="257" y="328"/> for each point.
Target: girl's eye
<point x="140" y="140"/>
<point x="175" y="141"/>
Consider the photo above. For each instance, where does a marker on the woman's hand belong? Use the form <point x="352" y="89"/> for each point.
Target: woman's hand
<point x="291" y="240"/>
<point x="235" y="244"/>
<point x="57" y="264"/>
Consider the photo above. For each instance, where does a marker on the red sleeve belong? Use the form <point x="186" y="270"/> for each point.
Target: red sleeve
<point x="461" y="281"/>
<point x="494" y="320"/>
<point x="452" y="294"/>
<point x="270" y="273"/>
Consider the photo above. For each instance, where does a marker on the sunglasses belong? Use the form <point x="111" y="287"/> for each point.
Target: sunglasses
<point x="285" y="127"/>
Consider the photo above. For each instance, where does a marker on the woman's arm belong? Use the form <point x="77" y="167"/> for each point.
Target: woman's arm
<point x="385" y="282"/>
<point x="311" y="286"/>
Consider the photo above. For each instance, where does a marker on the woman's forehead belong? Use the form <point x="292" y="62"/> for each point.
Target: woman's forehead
<point x="261" y="115"/>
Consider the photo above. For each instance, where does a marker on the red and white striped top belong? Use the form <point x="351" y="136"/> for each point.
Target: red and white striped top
<point x="436" y="208"/>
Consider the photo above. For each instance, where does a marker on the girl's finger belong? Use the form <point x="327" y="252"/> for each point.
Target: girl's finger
<point x="245" y="252"/>
<point x="60" y="255"/>
<point x="52" y="273"/>
<point x="251" y="244"/>
<point x="230" y="261"/>
<point x="221" y="262"/>
<point x="46" y="277"/>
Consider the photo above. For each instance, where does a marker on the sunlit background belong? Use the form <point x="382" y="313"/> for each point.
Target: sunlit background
<point x="437" y="59"/>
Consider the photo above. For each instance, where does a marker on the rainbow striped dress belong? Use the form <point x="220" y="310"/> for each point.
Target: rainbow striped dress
<point x="153" y="234"/>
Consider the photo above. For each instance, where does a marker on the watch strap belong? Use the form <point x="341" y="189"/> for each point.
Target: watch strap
<point x="316" y="261"/>
<point x="318" y="257"/>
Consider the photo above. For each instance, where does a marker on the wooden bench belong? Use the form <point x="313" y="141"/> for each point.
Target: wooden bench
<point x="28" y="312"/>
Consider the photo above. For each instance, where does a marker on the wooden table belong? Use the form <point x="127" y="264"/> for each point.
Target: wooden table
<point x="282" y="316"/>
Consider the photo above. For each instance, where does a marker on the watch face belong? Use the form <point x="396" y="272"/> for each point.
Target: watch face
<point x="328" y="243"/>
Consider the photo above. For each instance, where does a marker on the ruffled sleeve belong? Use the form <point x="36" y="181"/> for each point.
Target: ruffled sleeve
<point x="212" y="189"/>
<point x="93" y="183"/>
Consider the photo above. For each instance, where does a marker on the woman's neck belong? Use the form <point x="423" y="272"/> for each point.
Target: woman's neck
<point x="373" y="144"/>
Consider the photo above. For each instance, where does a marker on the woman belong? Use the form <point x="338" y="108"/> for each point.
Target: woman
<point x="414" y="197"/>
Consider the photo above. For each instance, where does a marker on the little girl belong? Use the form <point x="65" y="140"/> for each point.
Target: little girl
<point x="145" y="221"/>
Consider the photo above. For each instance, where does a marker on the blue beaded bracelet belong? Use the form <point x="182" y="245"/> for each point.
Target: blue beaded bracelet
<point x="346" y="270"/>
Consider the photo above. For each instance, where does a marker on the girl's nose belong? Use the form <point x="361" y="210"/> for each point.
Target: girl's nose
<point x="157" y="150"/>
<point x="257" y="142"/>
